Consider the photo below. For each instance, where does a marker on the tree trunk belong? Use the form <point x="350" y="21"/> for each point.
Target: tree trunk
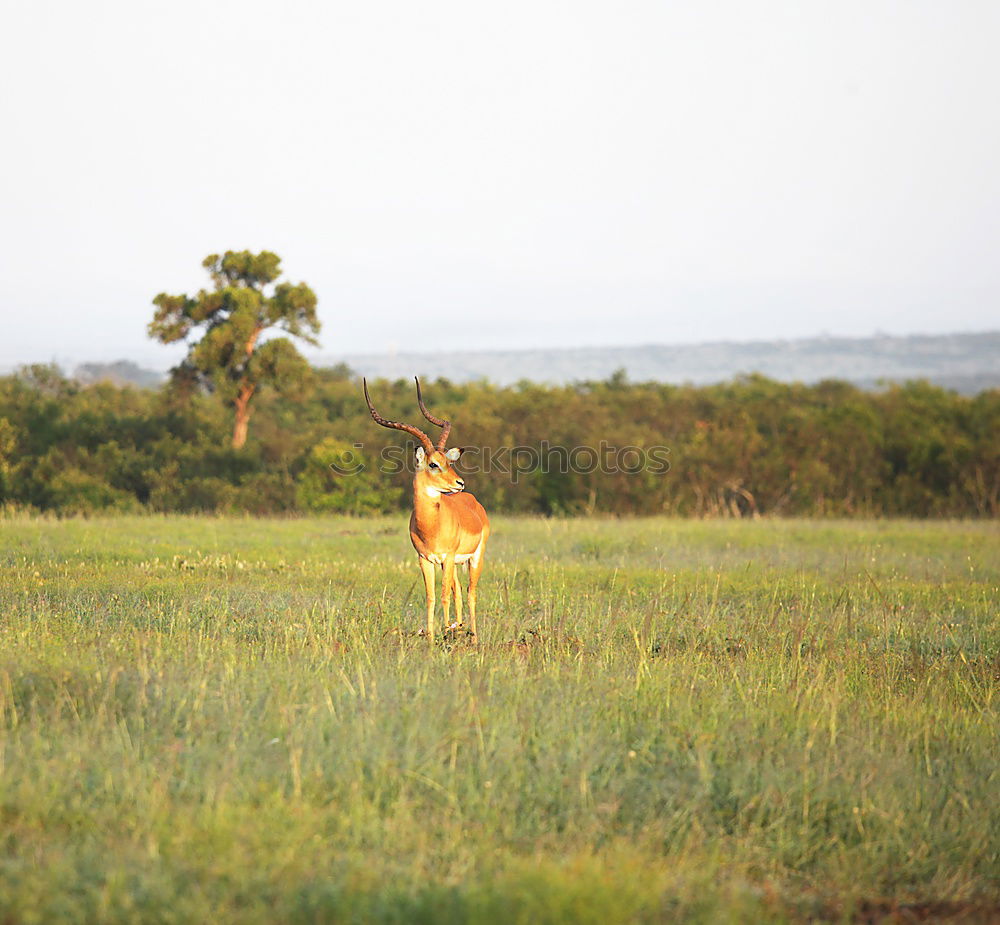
<point x="243" y="399"/>
<point x="242" y="415"/>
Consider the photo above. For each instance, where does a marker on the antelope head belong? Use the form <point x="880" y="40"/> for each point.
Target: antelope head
<point x="434" y="475"/>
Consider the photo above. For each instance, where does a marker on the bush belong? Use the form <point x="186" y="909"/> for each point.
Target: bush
<point x="76" y="492"/>
<point x="338" y="478"/>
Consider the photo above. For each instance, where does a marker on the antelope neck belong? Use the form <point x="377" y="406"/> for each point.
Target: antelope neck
<point x="426" y="509"/>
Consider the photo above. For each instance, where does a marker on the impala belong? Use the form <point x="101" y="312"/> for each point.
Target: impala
<point x="448" y="526"/>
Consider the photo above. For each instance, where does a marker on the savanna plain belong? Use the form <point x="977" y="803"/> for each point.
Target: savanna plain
<point x="235" y="720"/>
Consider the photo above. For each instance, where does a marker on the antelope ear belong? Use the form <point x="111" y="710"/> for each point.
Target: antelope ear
<point x="453" y="453"/>
<point x="421" y="458"/>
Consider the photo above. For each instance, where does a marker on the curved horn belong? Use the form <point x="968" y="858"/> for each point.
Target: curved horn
<point x="378" y="419"/>
<point x="438" y="422"/>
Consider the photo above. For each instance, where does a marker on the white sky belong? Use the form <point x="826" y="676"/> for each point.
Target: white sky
<point x="452" y="175"/>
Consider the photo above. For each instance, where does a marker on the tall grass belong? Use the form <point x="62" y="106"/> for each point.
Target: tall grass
<point x="234" y="720"/>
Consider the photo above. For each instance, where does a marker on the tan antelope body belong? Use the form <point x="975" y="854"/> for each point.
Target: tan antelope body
<point x="448" y="526"/>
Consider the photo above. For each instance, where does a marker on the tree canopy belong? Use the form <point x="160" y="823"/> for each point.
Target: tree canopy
<point x="234" y="358"/>
<point x="737" y="449"/>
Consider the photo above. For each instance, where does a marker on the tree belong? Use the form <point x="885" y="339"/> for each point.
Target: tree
<point x="230" y="359"/>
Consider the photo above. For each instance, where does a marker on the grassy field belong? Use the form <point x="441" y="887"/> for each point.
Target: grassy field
<point x="221" y="720"/>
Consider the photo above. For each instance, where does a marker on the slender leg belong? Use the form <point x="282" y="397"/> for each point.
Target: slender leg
<point x="475" y="569"/>
<point x="458" y="597"/>
<point x="447" y="587"/>
<point x="427" y="568"/>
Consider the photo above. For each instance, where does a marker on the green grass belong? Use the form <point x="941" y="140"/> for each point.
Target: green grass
<point x="220" y="720"/>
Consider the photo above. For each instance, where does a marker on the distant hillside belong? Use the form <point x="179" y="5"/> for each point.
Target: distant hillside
<point x="121" y="372"/>
<point x="968" y="363"/>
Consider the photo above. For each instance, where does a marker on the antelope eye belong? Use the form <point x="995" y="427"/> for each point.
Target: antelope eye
<point x="433" y="466"/>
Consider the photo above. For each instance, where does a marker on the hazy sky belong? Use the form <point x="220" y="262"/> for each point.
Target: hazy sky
<point x="470" y="175"/>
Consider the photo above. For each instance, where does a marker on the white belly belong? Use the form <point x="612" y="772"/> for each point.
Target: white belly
<point x="460" y="559"/>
